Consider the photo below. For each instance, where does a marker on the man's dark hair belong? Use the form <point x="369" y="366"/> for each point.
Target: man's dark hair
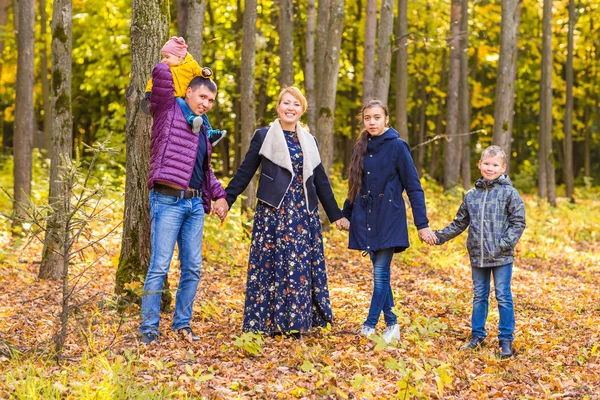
<point x="199" y="82"/>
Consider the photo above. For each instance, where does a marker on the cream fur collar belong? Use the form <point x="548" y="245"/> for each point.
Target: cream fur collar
<point x="275" y="149"/>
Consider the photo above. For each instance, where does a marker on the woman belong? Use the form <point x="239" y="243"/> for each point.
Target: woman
<point x="381" y="169"/>
<point x="286" y="289"/>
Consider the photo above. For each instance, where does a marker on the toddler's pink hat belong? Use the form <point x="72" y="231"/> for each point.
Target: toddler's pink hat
<point x="175" y="45"/>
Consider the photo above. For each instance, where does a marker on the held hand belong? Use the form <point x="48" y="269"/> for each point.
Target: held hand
<point x="221" y="209"/>
<point x="428" y="236"/>
<point x="342" y="224"/>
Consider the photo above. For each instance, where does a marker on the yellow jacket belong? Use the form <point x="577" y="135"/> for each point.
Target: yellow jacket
<point x="182" y="75"/>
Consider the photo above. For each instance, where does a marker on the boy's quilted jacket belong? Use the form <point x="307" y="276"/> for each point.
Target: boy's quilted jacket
<point x="495" y="215"/>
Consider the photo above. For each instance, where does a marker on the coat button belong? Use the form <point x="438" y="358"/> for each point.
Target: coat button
<point x="368" y="172"/>
<point x="369" y="228"/>
<point x="371" y="155"/>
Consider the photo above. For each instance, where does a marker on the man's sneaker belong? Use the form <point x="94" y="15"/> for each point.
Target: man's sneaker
<point x="475" y="342"/>
<point x="149" y="337"/>
<point x="506" y="350"/>
<point x="215" y="136"/>
<point x="188" y="334"/>
<point x="196" y="124"/>
<point x="391" y="332"/>
<point x="366" y="331"/>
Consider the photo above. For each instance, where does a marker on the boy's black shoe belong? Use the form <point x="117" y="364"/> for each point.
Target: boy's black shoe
<point x="215" y="136"/>
<point x="473" y="343"/>
<point x="149" y="337"/>
<point x="196" y="124"/>
<point x="188" y="334"/>
<point x="506" y="350"/>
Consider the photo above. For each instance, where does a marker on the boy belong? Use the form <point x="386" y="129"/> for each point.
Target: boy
<point x="184" y="68"/>
<point x="495" y="215"/>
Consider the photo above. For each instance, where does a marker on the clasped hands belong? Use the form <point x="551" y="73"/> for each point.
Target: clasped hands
<point x="221" y="209"/>
<point x="342" y="224"/>
<point x="428" y="236"/>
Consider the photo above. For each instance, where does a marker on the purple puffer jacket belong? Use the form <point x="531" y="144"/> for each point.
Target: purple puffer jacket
<point x="173" y="146"/>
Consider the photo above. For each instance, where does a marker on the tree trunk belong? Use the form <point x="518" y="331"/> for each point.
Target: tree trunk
<point x="195" y="26"/>
<point x="320" y="50"/>
<point x="402" y="70"/>
<point x="247" y="90"/>
<point x="52" y="266"/>
<point x="453" y="142"/>
<point x="464" y="99"/>
<point x="149" y="31"/>
<point x="328" y="83"/>
<point x="546" y="184"/>
<point x="24" y="115"/>
<point x="183" y="19"/>
<point x="436" y="145"/>
<point x="505" y="80"/>
<point x="384" y="50"/>
<point x="369" y="53"/>
<point x="309" y="65"/>
<point x="286" y="43"/>
<point x="568" y="143"/>
<point x="46" y="145"/>
<point x="420" y="158"/>
<point x="3" y="19"/>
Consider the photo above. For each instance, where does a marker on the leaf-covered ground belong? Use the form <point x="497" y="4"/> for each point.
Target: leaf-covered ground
<point x="556" y="287"/>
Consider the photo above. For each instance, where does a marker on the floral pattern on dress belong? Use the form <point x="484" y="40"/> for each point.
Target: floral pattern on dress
<point x="286" y="288"/>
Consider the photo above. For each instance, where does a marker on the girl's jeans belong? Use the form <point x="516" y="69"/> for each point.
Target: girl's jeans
<point x="382" y="299"/>
<point x="481" y="290"/>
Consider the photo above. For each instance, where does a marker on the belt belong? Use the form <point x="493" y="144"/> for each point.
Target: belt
<point x="182" y="194"/>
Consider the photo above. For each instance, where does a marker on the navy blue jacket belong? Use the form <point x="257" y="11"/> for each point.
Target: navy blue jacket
<point x="378" y="214"/>
<point x="275" y="180"/>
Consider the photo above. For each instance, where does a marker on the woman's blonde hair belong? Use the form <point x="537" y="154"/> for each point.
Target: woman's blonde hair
<point x="296" y="93"/>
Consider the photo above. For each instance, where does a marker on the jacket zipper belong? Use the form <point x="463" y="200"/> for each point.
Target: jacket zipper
<point x="482" y="222"/>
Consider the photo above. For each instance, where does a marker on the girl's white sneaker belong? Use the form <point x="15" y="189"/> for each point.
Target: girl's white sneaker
<point x="391" y="332"/>
<point x="366" y="331"/>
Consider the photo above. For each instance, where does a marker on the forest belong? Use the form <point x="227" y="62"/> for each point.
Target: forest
<point x="457" y="76"/>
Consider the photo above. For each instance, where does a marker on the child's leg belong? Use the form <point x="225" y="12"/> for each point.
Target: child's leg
<point x="206" y="122"/>
<point x="186" y="110"/>
<point x="481" y="294"/>
<point x="506" y="308"/>
<point x="381" y="299"/>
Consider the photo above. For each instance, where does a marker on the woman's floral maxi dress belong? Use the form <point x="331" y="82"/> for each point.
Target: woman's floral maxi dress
<point x="286" y="289"/>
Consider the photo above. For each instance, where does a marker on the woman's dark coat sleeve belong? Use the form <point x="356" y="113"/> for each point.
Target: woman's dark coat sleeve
<point x="325" y="194"/>
<point x="246" y="171"/>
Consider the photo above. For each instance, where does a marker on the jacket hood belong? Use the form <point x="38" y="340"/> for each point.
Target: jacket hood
<point x="501" y="180"/>
<point x="377" y="141"/>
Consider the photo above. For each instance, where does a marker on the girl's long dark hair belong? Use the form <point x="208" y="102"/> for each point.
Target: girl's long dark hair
<point x="359" y="151"/>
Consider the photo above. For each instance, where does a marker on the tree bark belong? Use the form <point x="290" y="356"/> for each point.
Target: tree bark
<point x="3" y="19"/>
<point x="506" y="77"/>
<point x="46" y="145"/>
<point x="436" y="145"/>
<point x="286" y="43"/>
<point x="568" y="143"/>
<point x="402" y="70"/>
<point x="24" y="115"/>
<point x="369" y="53"/>
<point x="328" y="83"/>
<point x="183" y="18"/>
<point x="195" y="26"/>
<point x="384" y="50"/>
<point x="52" y="266"/>
<point x="464" y="99"/>
<point x="309" y="66"/>
<point x="453" y="142"/>
<point x="321" y="49"/>
<point x="149" y="31"/>
<point x="546" y="184"/>
<point x="247" y="90"/>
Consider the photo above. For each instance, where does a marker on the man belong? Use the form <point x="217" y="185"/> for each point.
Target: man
<point x="182" y="185"/>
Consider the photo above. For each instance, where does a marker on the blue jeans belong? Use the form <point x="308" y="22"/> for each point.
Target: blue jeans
<point x="382" y="299"/>
<point x="189" y="115"/>
<point x="481" y="291"/>
<point x="181" y="221"/>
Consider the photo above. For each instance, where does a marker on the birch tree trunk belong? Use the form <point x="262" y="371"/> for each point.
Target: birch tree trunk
<point x="453" y="142"/>
<point x="328" y="83"/>
<point x="24" y="115"/>
<point x="247" y="90"/>
<point x="464" y="106"/>
<point x="568" y="143"/>
<point x="384" y="51"/>
<point x="546" y="184"/>
<point x="369" y="52"/>
<point x="52" y="266"/>
<point x="402" y="70"/>
<point x="505" y="79"/>
<point x="195" y="25"/>
<point x="149" y="31"/>
<point x="286" y="43"/>
<point x="309" y="66"/>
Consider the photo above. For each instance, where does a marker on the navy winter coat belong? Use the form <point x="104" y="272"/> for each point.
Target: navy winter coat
<point x="378" y="214"/>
